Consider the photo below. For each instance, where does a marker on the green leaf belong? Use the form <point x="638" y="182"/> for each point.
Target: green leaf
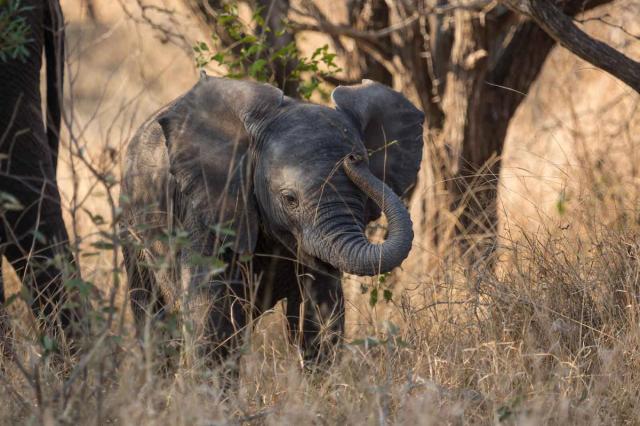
<point x="504" y="413"/>
<point x="220" y="230"/>
<point x="248" y="39"/>
<point x="83" y="287"/>
<point x="257" y="67"/>
<point x="89" y="254"/>
<point x="253" y="50"/>
<point x="226" y="19"/>
<point x="40" y="237"/>
<point x="392" y="328"/>
<point x="11" y="299"/>
<point x="387" y="294"/>
<point x="103" y="245"/>
<point x="217" y="265"/>
<point x="9" y="202"/>
<point x="257" y="14"/>
<point x="259" y="20"/>
<point x="96" y="219"/>
<point x="561" y="203"/>
<point x="219" y="58"/>
<point x="373" y="297"/>
<point x="48" y="344"/>
<point x="367" y="342"/>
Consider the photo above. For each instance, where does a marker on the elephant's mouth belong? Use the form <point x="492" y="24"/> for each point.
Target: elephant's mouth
<point x="307" y="261"/>
<point x="312" y="263"/>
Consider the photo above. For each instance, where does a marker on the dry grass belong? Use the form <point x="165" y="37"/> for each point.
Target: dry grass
<point x="551" y="337"/>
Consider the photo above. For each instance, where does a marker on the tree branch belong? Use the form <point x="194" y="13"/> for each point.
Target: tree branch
<point x="563" y="29"/>
<point x="372" y="36"/>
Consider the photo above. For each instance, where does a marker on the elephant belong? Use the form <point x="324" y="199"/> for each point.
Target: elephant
<point x="32" y="231"/>
<point x="236" y="196"/>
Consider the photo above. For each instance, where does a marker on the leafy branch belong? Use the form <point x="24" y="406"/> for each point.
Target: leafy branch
<point x="14" y="30"/>
<point x="250" y="53"/>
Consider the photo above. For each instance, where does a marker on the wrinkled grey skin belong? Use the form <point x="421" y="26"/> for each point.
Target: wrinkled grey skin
<point x="295" y="182"/>
<point x="28" y="157"/>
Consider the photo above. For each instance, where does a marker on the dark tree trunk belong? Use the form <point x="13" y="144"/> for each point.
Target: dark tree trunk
<point x="275" y="14"/>
<point x="369" y="16"/>
<point x="33" y="237"/>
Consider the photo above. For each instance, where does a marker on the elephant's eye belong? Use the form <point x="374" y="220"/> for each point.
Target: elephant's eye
<point x="289" y="198"/>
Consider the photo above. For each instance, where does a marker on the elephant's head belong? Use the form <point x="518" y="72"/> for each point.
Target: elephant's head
<point x="244" y="155"/>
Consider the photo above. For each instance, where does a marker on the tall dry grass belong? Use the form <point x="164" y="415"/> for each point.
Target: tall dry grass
<point x="550" y="336"/>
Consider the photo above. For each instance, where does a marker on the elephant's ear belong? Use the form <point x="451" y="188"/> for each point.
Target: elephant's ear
<point x="209" y="133"/>
<point x="391" y="128"/>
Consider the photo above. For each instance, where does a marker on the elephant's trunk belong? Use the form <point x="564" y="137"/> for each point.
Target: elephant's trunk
<point x="349" y="249"/>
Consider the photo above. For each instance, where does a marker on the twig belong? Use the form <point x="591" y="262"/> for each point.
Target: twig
<point x="372" y="36"/>
<point x="610" y="24"/>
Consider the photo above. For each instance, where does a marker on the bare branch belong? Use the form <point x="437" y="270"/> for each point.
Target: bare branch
<point x="564" y="30"/>
<point x="165" y="32"/>
<point x="325" y="26"/>
<point x="372" y="36"/>
<point x="337" y="81"/>
<point x="348" y="31"/>
<point x="602" y="20"/>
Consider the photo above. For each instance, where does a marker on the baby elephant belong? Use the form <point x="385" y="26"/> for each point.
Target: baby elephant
<point x="236" y="196"/>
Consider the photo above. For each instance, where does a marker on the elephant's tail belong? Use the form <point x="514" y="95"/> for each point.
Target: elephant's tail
<point x="54" y="55"/>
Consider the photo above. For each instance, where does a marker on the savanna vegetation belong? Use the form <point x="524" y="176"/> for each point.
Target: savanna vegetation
<point x="518" y="303"/>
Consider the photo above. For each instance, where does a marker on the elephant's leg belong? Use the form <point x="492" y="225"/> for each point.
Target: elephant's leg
<point x="146" y="302"/>
<point x="215" y="326"/>
<point x="275" y="277"/>
<point x="315" y="315"/>
<point x="149" y="307"/>
<point x="218" y="316"/>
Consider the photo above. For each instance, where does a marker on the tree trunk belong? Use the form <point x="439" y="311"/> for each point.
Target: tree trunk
<point x="490" y="62"/>
<point x="275" y="15"/>
<point x="369" y="16"/>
